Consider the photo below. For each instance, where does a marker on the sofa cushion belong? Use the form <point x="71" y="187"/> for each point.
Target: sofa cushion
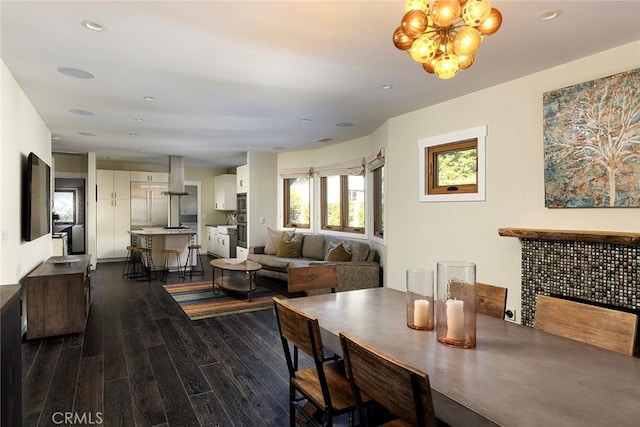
<point x="269" y="261"/>
<point x="338" y="253"/>
<point x="313" y="247"/>
<point x="359" y="250"/>
<point x="273" y="240"/>
<point x="290" y="247"/>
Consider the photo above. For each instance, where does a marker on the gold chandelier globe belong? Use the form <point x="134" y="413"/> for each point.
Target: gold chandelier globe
<point x="444" y="35"/>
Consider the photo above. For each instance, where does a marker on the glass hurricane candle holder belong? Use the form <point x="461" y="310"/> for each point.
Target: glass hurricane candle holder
<point x="420" y="298"/>
<point x="456" y="304"/>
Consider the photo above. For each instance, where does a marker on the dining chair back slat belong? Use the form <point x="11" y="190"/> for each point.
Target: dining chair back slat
<point x="312" y="277"/>
<point x="402" y="389"/>
<point x="319" y="393"/>
<point x="491" y="300"/>
<point x="603" y="327"/>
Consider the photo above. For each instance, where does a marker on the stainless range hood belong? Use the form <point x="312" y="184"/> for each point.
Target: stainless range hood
<point x="176" y="176"/>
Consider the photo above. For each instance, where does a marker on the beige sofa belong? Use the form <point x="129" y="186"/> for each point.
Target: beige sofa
<point x="362" y="271"/>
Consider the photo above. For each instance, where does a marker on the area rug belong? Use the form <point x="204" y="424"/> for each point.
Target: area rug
<point x="198" y="300"/>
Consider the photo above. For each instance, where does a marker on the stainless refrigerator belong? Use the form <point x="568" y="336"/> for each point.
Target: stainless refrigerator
<point x="149" y="206"/>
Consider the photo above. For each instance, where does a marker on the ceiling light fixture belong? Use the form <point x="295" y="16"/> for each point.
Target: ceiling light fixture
<point x="91" y="25"/>
<point x="386" y="87"/>
<point x="444" y="36"/>
<point x="149" y="98"/>
<point x="138" y="119"/>
<point x="548" y="15"/>
<point x="82" y="112"/>
<point x="76" y="73"/>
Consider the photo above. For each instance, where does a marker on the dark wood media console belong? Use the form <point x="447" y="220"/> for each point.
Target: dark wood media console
<point x="58" y="296"/>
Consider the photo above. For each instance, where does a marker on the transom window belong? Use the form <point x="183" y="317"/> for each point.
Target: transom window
<point x="452" y="166"/>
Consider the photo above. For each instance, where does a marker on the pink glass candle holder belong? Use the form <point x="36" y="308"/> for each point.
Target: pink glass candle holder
<point x="420" y="300"/>
<point x="456" y="304"/>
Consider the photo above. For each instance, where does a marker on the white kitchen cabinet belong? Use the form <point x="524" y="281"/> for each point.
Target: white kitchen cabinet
<point x="212" y="234"/>
<point x="113" y="184"/>
<point x="225" y="194"/>
<point x="140" y="176"/>
<point x="241" y="252"/>
<point x="242" y="179"/>
<point x="113" y="223"/>
<point x="113" y="213"/>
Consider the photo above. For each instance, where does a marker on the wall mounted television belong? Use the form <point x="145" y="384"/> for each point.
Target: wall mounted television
<point x="36" y="212"/>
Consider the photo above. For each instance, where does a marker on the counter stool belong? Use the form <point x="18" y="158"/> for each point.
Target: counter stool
<point x="129" y="261"/>
<point x="147" y="270"/>
<point x="167" y="254"/>
<point x="194" y="250"/>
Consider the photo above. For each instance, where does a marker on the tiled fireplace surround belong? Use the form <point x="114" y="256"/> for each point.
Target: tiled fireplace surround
<point x="597" y="267"/>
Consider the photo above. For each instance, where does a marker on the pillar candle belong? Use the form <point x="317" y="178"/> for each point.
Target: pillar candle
<point x="455" y="320"/>
<point x="421" y="313"/>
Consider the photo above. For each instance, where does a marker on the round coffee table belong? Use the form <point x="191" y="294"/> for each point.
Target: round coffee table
<point x="231" y="283"/>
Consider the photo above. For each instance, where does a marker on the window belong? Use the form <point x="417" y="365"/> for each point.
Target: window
<point x="343" y="203"/>
<point x="297" y="202"/>
<point x="378" y="202"/>
<point x="64" y="206"/>
<point x="452" y="166"/>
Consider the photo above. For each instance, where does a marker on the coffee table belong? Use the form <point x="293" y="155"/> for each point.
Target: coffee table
<point x="231" y="282"/>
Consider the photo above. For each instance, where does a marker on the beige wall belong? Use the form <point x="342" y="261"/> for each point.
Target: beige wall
<point x="70" y="163"/>
<point x="21" y="131"/>
<point x="421" y="234"/>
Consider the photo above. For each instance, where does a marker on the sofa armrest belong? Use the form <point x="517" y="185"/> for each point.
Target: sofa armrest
<point x="356" y="275"/>
<point x="256" y="249"/>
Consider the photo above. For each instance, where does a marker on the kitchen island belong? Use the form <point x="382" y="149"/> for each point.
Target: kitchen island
<point x="157" y="239"/>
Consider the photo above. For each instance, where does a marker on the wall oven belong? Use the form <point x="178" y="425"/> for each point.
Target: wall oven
<point x="241" y="218"/>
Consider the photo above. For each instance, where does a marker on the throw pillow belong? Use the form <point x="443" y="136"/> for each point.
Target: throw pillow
<point x="273" y="241"/>
<point x="290" y="247"/>
<point x="339" y="253"/>
<point x="329" y="248"/>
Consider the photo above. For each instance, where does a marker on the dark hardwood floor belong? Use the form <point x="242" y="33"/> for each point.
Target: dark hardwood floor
<point x="142" y="362"/>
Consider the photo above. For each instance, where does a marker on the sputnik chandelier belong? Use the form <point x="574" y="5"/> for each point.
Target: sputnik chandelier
<point x="444" y="36"/>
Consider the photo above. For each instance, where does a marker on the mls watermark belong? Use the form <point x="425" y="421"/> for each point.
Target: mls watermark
<point x="77" y="418"/>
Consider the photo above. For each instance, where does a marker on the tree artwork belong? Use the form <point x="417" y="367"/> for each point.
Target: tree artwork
<point x="592" y="143"/>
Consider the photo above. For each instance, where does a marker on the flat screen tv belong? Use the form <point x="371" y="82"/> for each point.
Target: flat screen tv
<point x="36" y="214"/>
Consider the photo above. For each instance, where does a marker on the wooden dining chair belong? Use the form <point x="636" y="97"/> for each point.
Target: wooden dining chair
<point x="603" y="327"/>
<point x="491" y="300"/>
<point x="324" y="385"/>
<point x="312" y="278"/>
<point x="401" y="389"/>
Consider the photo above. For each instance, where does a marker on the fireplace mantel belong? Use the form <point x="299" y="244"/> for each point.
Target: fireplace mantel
<point x="612" y="237"/>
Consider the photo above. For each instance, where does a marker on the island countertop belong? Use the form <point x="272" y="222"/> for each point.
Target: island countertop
<point x="159" y="231"/>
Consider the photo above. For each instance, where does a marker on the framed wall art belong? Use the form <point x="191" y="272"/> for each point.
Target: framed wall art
<point x="592" y="143"/>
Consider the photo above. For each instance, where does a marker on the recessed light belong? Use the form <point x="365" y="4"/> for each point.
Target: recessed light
<point x="133" y="134"/>
<point x="82" y="112"/>
<point x="279" y="148"/>
<point x="305" y="120"/>
<point x="76" y="73"/>
<point x="386" y="87"/>
<point x="345" y="124"/>
<point x="325" y="139"/>
<point x="548" y="15"/>
<point x="55" y="138"/>
<point x="92" y="25"/>
<point x="87" y="134"/>
<point x="138" y="119"/>
<point x="149" y="98"/>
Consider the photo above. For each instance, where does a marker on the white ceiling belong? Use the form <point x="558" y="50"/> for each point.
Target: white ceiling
<point x="237" y="76"/>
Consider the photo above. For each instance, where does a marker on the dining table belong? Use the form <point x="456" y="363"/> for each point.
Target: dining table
<point x="515" y="375"/>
